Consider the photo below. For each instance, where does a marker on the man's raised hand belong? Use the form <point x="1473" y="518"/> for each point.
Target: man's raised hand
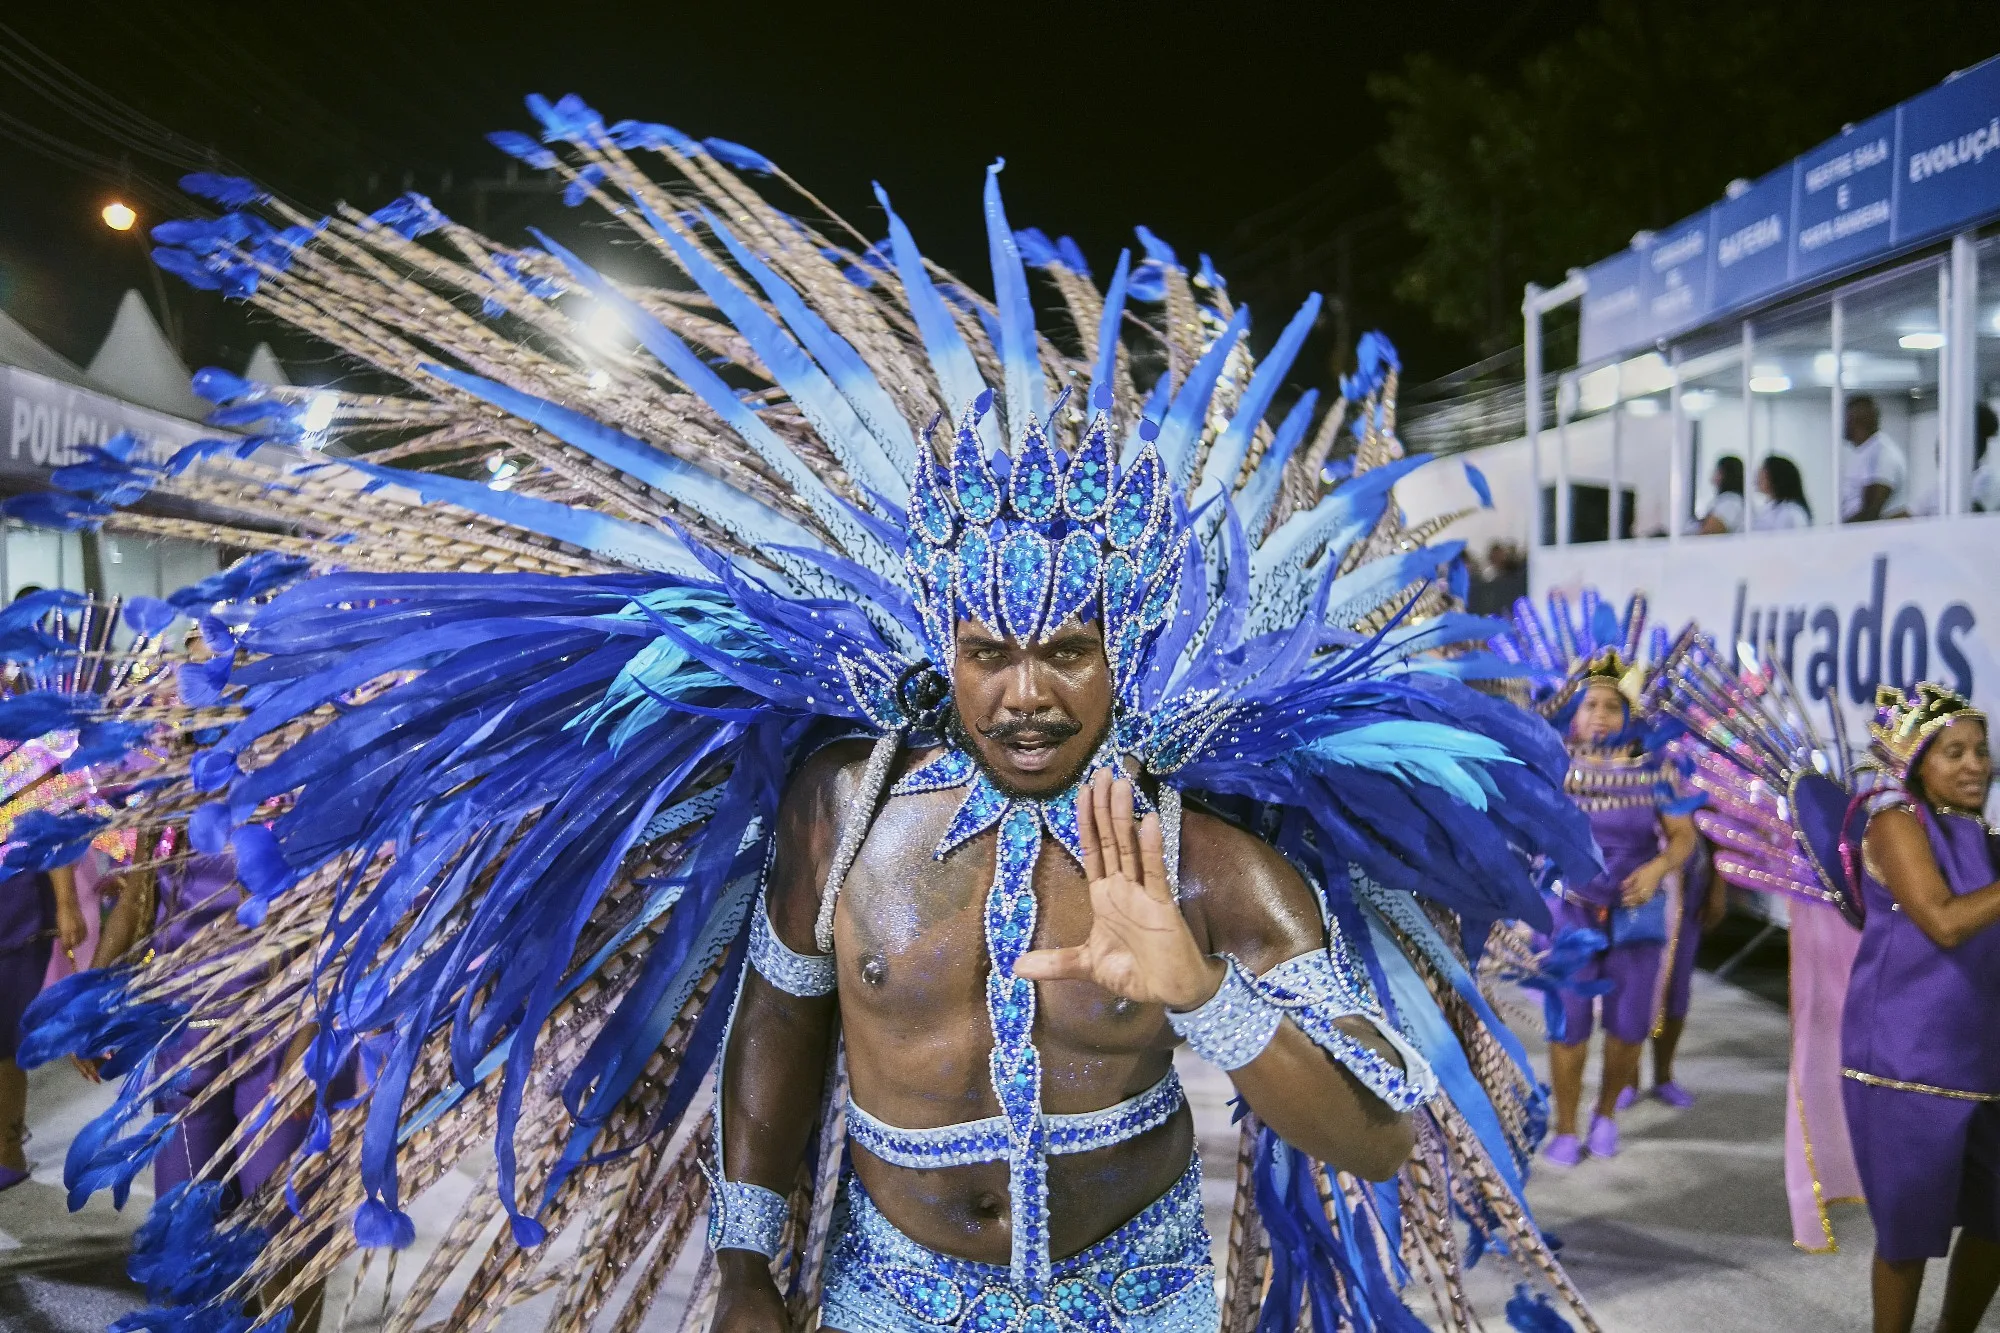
<point x="1139" y="946"/>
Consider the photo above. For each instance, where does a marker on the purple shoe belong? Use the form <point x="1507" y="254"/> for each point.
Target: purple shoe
<point x="1564" y="1150"/>
<point x="1603" y="1140"/>
<point x="1629" y="1095"/>
<point x="1674" y="1095"/>
<point x="9" y="1178"/>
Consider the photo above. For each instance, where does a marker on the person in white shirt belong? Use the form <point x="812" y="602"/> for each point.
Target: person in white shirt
<point x="1985" y="495"/>
<point x="1781" y="496"/>
<point x="1874" y="471"/>
<point x="1725" y="512"/>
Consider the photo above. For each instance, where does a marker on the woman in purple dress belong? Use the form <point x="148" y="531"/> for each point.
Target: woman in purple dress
<point x="1920" y="1036"/>
<point x="1645" y="834"/>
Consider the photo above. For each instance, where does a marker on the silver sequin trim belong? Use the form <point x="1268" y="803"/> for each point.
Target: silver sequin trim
<point x="973" y="1141"/>
<point x="746" y="1217"/>
<point x="793" y="973"/>
<point x="1234" y="1026"/>
<point x="860" y="814"/>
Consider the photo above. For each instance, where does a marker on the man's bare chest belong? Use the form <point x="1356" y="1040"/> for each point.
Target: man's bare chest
<point x="911" y="946"/>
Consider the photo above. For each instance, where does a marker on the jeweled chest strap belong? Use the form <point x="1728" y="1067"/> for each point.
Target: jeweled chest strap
<point x="987" y="1140"/>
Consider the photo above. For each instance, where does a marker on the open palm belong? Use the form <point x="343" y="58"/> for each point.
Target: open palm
<point x="1139" y="946"/>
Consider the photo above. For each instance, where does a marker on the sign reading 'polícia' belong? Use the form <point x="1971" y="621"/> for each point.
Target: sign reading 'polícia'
<point x="1917" y="172"/>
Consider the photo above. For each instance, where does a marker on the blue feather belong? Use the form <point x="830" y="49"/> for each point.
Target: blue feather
<point x="1027" y="392"/>
<point x="1225" y="459"/>
<point x="1109" y="325"/>
<point x="845" y="366"/>
<point x="1479" y="485"/>
<point x="832" y="416"/>
<point x="951" y="360"/>
<point x="691" y="371"/>
<point x="1183" y="425"/>
<point x="741" y="515"/>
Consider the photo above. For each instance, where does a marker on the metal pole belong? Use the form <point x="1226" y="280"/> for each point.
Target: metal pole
<point x="1749" y="418"/>
<point x="1617" y="507"/>
<point x="1566" y="390"/>
<point x="1959" y="369"/>
<point x="1837" y="441"/>
<point x="1531" y="346"/>
<point x="1677" y="456"/>
<point x="1736" y="959"/>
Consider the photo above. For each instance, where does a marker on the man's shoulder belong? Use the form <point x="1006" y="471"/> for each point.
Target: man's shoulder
<point x="1250" y="899"/>
<point x="1217" y="854"/>
<point x="823" y="788"/>
<point x="830" y="772"/>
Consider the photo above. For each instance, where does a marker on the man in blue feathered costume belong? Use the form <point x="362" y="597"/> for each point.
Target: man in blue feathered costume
<point x="830" y="645"/>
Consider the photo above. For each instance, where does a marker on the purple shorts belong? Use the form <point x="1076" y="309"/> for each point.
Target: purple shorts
<point x="1928" y="1164"/>
<point x="21" y="973"/>
<point x="1632" y="969"/>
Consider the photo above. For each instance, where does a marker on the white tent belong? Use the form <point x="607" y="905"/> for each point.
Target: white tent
<point x="18" y="347"/>
<point x="138" y="364"/>
<point x="265" y="367"/>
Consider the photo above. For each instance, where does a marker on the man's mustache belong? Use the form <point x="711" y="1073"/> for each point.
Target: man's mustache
<point x="1052" y="729"/>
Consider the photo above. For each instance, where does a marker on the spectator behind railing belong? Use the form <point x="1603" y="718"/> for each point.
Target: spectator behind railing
<point x="1874" y="469"/>
<point x="1985" y="465"/>
<point x="1781" y="496"/>
<point x="1725" y="512"/>
<point x="1505" y="578"/>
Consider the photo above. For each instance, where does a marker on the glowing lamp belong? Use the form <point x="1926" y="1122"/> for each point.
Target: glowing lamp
<point x="119" y="216"/>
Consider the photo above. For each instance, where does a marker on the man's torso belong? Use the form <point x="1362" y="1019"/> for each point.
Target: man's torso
<point x="912" y="957"/>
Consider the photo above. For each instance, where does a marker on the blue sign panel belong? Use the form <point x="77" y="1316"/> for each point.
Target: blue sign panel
<point x="1843" y="198"/>
<point x="1917" y="172"/>
<point x="1949" y="161"/>
<point x="1750" y="254"/>
<point x="1677" y="278"/>
<point x="1613" y="307"/>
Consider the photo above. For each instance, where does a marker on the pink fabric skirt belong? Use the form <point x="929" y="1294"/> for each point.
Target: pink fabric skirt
<point x="1819" y="1157"/>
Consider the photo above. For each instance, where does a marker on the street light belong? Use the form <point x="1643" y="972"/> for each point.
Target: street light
<point x="119" y="216"/>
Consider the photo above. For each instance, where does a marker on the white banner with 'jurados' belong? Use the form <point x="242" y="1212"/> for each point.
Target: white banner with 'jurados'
<point x="1842" y="608"/>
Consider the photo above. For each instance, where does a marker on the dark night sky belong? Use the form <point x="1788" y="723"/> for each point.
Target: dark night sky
<point x="1243" y="129"/>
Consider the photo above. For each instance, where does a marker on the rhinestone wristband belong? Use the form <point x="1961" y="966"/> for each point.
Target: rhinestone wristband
<point x="746" y="1217"/>
<point x="1234" y="1026"/>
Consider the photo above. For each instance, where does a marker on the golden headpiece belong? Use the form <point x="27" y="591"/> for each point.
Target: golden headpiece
<point x="1905" y="724"/>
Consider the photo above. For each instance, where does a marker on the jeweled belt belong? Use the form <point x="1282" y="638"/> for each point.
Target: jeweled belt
<point x="973" y="1141"/>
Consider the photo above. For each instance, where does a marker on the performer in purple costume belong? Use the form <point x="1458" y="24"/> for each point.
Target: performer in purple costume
<point x="37" y="909"/>
<point x="1645" y="834"/>
<point x="1920" y="1047"/>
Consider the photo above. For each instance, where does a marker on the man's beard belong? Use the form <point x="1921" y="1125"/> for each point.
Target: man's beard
<point x="959" y="735"/>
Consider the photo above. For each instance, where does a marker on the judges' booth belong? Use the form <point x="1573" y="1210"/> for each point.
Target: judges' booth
<point x="1868" y="266"/>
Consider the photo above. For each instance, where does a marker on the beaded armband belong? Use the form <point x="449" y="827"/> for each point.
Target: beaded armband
<point x="793" y="973"/>
<point x="745" y="1217"/>
<point x="1234" y="1026"/>
<point x="1314" y="991"/>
